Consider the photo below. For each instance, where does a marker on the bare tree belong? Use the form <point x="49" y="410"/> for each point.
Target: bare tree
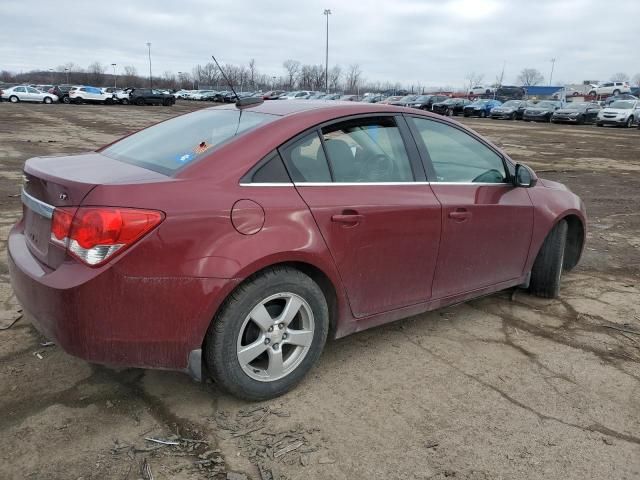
<point x="96" y="73"/>
<point x="252" y="72"/>
<point x="292" y="67"/>
<point x="620" y="77"/>
<point x="353" y="78"/>
<point x="334" y="77"/>
<point x="130" y="75"/>
<point x="473" y="79"/>
<point x="530" y="76"/>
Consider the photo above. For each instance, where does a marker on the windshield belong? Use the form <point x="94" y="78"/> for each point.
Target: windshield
<point x="450" y="101"/>
<point x="512" y="103"/>
<point x="621" y="104"/>
<point x="576" y="106"/>
<point x="408" y="98"/>
<point x="423" y="98"/>
<point x="171" y="145"/>
<point x="481" y="102"/>
<point x="547" y="105"/>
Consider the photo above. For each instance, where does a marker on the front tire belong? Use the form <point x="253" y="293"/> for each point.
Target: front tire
<point x="268" y="334"/>
<point x="47" y="100"/>
<point x="547" y="269"/>
<point x="140" y="102"/>
<point x="66" y="100"/>
<point x="124" y="101"/>
<point x="629" y="123"/>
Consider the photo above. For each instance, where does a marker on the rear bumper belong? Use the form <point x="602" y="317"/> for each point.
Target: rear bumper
<point x="105" y="316"/>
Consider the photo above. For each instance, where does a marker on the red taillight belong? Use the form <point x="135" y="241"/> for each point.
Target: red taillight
<point x="94" y="234"/>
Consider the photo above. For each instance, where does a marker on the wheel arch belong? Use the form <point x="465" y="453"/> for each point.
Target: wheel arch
<point x="335" y="300"/>
<point x="576" y="234"/>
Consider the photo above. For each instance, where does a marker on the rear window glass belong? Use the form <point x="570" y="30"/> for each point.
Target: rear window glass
<point x="171" y="145"/>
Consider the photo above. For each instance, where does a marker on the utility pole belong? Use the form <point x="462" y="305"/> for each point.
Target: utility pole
<point x="553" y="63"/>
<point x="150" y="81"/>
<point x="66" y="70"/>
<point x="51" y="75"/>
<point x="115" y="78"/>
<point x="326" y="13"/>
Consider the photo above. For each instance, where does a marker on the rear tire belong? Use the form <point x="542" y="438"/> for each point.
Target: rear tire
<point x="547" y="269"/>
<point x="66" y="100"/>
<point x="108" y="101"/>
<point x="235" y="327"/>
<point x="616" y="92"/>
<point x="124" y="101"/>
<point x="483" y="114"/>
<point x="166" y="102"/>
<point x="78" y="101"/>
<point x="14" y="99"/>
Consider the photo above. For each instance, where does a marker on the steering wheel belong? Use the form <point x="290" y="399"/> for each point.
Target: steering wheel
<point x="378" y="167"/>
<point x="490" y="176"/>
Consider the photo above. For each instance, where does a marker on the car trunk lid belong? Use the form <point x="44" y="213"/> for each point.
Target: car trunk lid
<point x="64" y="181"/>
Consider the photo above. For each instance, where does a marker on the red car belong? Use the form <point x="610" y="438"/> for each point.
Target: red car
<point x="238" y="238"/>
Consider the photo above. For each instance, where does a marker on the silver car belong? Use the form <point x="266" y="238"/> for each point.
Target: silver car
<point x="23" y="93"/>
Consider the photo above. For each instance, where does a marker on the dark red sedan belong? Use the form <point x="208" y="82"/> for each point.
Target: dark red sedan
<point x="238" y="238"/>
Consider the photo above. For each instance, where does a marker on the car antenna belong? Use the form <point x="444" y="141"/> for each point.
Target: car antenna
<point x="240" y="102"/>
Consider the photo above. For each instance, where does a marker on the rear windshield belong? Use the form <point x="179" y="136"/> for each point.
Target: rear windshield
<point x="171" y="145"/>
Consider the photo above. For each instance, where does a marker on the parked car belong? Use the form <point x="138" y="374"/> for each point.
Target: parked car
<point x="403" y="101"/>
<point x="577" y="112"/>
<point x="86" y="94"/>
<point x="480" y="108"/>
<point x="611" y="88"/>
<point x="373" y="98"/>
<point x="541" y="111"/>
<point x="200" y="93"/>
<point x="505" y="93"/>
<point x="511" y="110"/>
<point x="122" y="96"/>
<point x="623" y="113"/>
<point x="297" y="95"/>
<point x="148" y="96"/>
<point x="622" y="96"/>
<point x="62" y="92"/>
<point x="272" y="94"/>
<point x="174" y="240"/>
<point x="425" y="102"/>
<point x="350" y="98"/>
<point x="394" y="99"/>
<point x="23" y="93"/>
<point x="451" y="106"/>
<point x="480" y="90"/>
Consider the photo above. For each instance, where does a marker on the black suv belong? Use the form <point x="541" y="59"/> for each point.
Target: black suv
<point x="149" y="96"/>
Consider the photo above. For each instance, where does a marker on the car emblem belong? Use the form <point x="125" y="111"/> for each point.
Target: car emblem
<point x="63" y="196"/>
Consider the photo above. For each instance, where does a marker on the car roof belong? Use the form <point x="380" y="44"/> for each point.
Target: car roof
<point x="282" y="108"/>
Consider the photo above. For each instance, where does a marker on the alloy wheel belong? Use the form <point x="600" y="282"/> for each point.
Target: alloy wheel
<point x="275" y="337"/>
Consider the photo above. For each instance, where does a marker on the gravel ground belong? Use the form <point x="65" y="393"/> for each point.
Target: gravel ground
<point x="505" y="387"/>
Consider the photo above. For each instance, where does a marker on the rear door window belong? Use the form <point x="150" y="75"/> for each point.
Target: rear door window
<point x="171" y="145"/>
<point x="367" y="150"/>
<point x="306" y="161"/>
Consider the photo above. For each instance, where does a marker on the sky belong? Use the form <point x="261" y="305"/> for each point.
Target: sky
<point x="424" y="42"/>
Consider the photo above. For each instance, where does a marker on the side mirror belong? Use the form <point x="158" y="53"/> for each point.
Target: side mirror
<point x="524" y="177"/>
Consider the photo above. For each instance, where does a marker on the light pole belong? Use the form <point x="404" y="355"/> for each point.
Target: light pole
<point x="51" y="75"/>
<point x="150" y="82"/>
<point x="553" y="63"/>
<point x="273" y="85"/>
<point x="326" y="13"/>
<point x="66" y="70"/>
<point x="115" y="78"/>
<point x="180" y="79"/>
